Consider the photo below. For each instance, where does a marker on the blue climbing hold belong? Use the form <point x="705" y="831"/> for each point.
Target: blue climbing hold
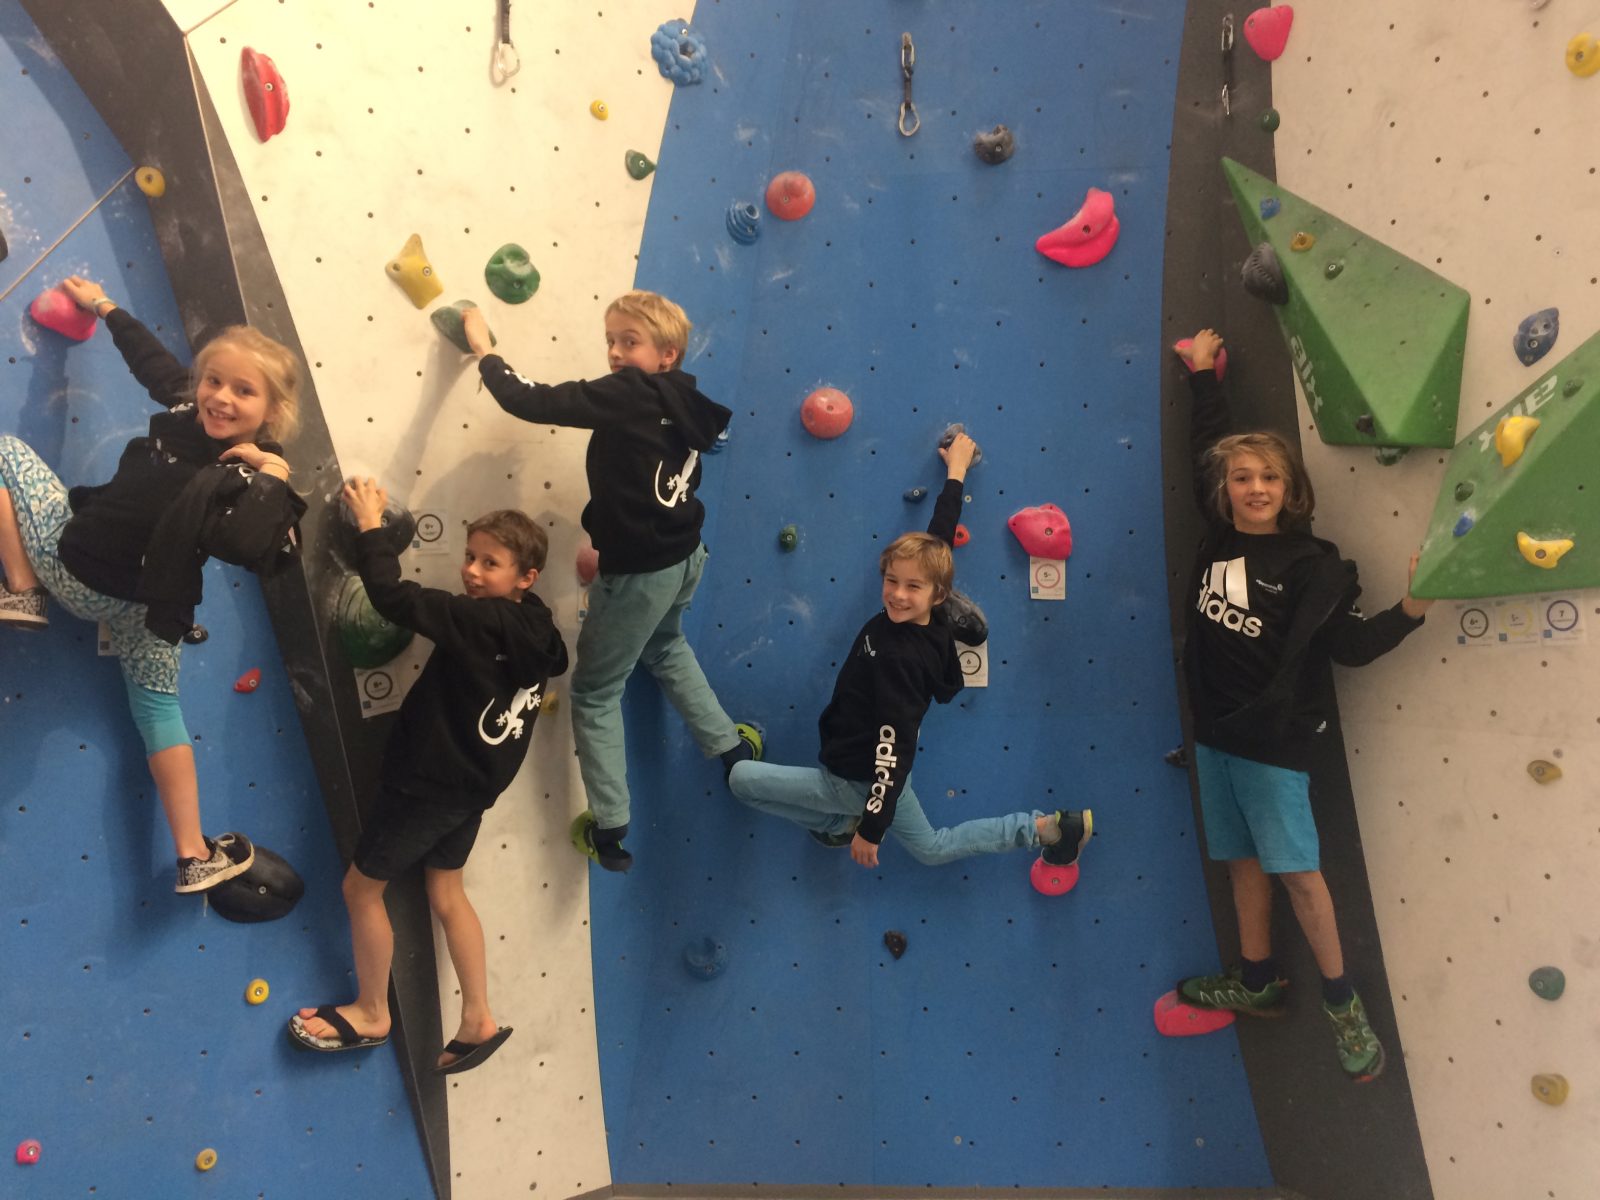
<point x="705" y="957"/>
<point x="1536" y="335"/>
<point x="744" y="222"/>
<point x="721" y="444"/>
<point x="914" y="495"/>
<point x="1463" y="523"/>
<point x="680" y="53"/>
<point x="1270" y="207"/>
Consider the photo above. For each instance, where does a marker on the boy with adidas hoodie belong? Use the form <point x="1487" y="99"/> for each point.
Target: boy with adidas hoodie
<point x="650" y="426"/>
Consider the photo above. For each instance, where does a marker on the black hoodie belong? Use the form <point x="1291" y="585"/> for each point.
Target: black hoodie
<point x="644" y="456"/>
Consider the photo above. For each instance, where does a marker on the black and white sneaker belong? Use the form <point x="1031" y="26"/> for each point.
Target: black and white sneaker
<point x="836" y="841"/>
<point x="1073" y="831"/>
<point x="231" y="855"/>
<point x="25" y="610"/>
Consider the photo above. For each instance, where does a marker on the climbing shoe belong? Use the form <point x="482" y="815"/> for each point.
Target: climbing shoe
<point x="25" y="610"/>
<point x="749" y="749"/>
<point x="835" y="841"/>
<point x="1228" y="991"/>
<point x="600" y="846"/>
<point x="1073" y="831"/>
<point x="231" y="854"/>
<point x="1360" y="1052"/>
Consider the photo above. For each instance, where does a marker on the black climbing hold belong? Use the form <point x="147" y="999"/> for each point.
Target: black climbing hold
<point x="1262" y="275"/>
<point x="967" y="623"/>
<point x="1364" y="424"/>
<point x="196" y="635"/>
<point x="913" y="495"/>
<point x="1464" y="491"/>
<point x="1178" y="757"/>
<point x="1334" y="269"/>
<point x="1571" y="388"/>
<point x="4" y="249"/>
<point x="705" y="957"/>
<point x="995" y="146"/>
<point x="895" y="941"/>
<point x="395" y="533"/>
<point x="267" y="891"/>
<point x="1536" y="335"/>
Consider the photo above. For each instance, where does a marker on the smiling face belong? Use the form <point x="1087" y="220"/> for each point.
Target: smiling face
<point x="1256" y="492"/>
<point x="631" y="343"/>
<point x="489" y="570"/>
<point x="232" y="396"/>
<point x="908" y="593"/>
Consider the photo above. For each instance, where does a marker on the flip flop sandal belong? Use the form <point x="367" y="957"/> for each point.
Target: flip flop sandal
<point x="348" y="1038"/>
<point x="470" y="1055"/>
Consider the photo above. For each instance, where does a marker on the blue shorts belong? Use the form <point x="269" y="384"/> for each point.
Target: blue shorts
<point x="1253" y="810"/>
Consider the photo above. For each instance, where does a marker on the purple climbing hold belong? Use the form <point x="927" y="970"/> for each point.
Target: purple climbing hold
<point x="1270" y="207"/>
<point x="744" y="222"/>
<point x="1536" y="335"/>
<point x="680" y="53"/>
<point x="1262" y="275"/>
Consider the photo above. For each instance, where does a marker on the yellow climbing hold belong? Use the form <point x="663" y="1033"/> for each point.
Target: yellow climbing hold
<point x="1551" y="1089"/>
<point x="257" y="991"/>
<point x="414" y="273"/>
<point x="151" y="182"/>
<point x="1542" y="552"/>
<point x="205" y="1160"/>
<point x="599" y="111"/>
<point x="552" y="701"/>
<point x="1583" y="55"/>
<point x="1511" y="437"/>
<point x="1544" y="771"/>
<point x="1302" y="241"/>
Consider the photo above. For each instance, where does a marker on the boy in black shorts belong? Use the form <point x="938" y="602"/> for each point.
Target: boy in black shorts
<point x="462" y="734"/>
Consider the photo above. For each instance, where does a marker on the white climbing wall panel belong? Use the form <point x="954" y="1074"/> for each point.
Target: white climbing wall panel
<point x="395" y="128"/>
<point x="1463" y="141"/>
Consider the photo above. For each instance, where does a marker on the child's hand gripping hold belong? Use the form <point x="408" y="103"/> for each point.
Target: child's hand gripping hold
<point x="476" y="330"/>
<point x="366" y="502"/>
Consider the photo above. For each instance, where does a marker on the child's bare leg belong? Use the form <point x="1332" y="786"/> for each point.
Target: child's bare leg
<point x="13" y="555"/>
<point x="179" y="789"/>
<point x="1252" y="901"/>
<point x="1313" y="906"/>
<point x="463" y="934"/>
<point x="372" y="938"/>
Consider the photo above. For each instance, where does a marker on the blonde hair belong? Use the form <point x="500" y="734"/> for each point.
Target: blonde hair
<point x="1298" y="497"/>
<point x="668" y="324"/>
<point x="928" y="552"/>
<point x="279" y="366"/>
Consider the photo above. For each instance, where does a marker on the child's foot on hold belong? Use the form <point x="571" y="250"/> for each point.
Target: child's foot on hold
<point x="23" y="609"/>
<point x="471" y="1033"/>
<point x="603" y="846"/>
<point x="231" y="855"/>
<point x="1228" y="991"/>
<point x="835" y="841"/>
<point x="368" y="1028"/>
<point x="749" y="748"/>
<point x="1360" y="1052"/>
<point x="1064" y="835"/>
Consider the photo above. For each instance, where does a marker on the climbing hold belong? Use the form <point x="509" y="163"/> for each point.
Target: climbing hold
<point x="826" y="413"/>
<point x="949" y="436"/>
<point x="1174" y="1018"/>
<point x="1536" y="335"/>
<point x="1464" y="491"/>
<point x="638" y="165"/>
<point x="790" y="195"/>
<point x="1547" y="982"/>
<point x="510" y="275"/>
<point x="1463" y="525"/>
<point x="1043" y="530"/>
<point x="1302" y="241"/>
<point x="1583" y="55"/>
<point x="962" y="537"/>
<point x="680" y="53"/>
<point x="265" y="892"/>
<point x="588" y="564"/>
<point x="5" y="250"/>
<point x="1267" y="30"/>
<point x="1178" y="757"/>
<point x="1511" y="437"/>
<point x="967" y="623"/>
<point x="1271" y="206"/>
<point x="1551" y="1089"/>
<point x="1270" y="120"/>
<point x="1544" y="771"/>
<point x="1542" y="552"/>
<point x="264" y="92"/>
<point x="249" y="681"/>
<point x="598" y="110"/>
<point x="995" y="146"/>
<point x="28" y="1152"/>
<point x="1088" y="236"/>
<point x="151" y="182"/>
<point x="447" y="320"/>
<point x="1387" y="456"/>
<point x="414" y="273"/>
<point x="1052" y="880"/>
<point x="1262" y="275"/>
<point x="196" y="635"/>
<point x="914" y="495"/>
<point x="722" y="439"/>
<point x="56" y="310"/>
<point x="1334" y="269"/>
<point x="744" y="222"/>
<point x="552" y="701"/>
<point x="1571" y="388"/>
<point x="788" y="538"/>
<point x="1219" y="364"/>
<point x="1364" y="424"/>
<point x="895" y="941"/>
<point x="256" y="991"/>
<point x="205" y="1160"/>
<point x="396" y="529"/>
<point x="368" y="638"/>
<point x="705" y="957"/>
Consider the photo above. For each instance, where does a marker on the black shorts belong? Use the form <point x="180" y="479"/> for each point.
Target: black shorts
<point x="404" y="831"/>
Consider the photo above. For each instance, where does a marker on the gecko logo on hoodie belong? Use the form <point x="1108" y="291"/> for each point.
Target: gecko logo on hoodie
<point x="510" y="722"/>
<point x="1225" y="597"/>
<point x="883" y="764"/>
<point x="677" y="485"/>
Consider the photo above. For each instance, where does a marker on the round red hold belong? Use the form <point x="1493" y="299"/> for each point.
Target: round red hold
<point x="28" y="1152"/>
<point x="249" y="681"/>
<point x="963" y="535"/>
<point x="826" y="413"/>
<point x="790" y="195"/>
<point x="1051" y="879"/>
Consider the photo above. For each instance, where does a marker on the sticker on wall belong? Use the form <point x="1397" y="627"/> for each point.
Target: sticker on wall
<point x="1517" y="621"/>
<point x="429" y="537"/>
<point x="974" y="662"/>
<point x="1472" y="624"/>
<point x="1047" y="578"/>
<point x="1562" y="618"/>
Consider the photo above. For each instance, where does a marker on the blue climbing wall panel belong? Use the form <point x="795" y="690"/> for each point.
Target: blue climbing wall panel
<point x="128" y="1044"/>
<point x="1013" y="1044"/>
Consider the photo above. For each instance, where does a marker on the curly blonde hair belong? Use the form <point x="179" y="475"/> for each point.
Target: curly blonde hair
<point x="279" y="366"/>
<point x="1273" y="449"/>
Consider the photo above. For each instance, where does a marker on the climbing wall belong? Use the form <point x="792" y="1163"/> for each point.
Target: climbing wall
<point x="1468" y="146"/>
<point x="129" y="1044"/>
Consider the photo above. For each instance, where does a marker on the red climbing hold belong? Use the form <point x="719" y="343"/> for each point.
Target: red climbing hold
<point x="56" y="310"/>
<point x="790" y="195"/>
<point x="249" y="681"/>
<point x="1174" y="1018"/>
<point x="1267" y="30"/>
<point x="1044" y="531"/>
<point x="963" y="536"/>
<point x="264" y="91"/>
<point x="1182" y="347"/>
<point x="588" y="564"/>
<point x="28" y="1152"/>
<point x="826" y="413"/>
<point x="1087" y="237"/>
<point x="1051" y="879"/>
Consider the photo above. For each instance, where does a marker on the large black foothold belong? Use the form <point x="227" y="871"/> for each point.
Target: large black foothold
<point x="267" y="891"/>
<point x="895" y="941"/>
<point x="1262" y="275"/>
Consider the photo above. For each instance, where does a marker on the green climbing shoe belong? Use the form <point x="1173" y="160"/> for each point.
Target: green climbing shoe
<point x="1228" y="991"/>
<point x="1360" y="1052"/>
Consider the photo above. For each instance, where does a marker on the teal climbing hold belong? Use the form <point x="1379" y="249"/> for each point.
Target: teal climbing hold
<point x="369" y="638"/>
<point x="1547" y="982"/>
<point x="510" y="274"/>
<point x="638" y="165"/>
<point x="1270" y="120"/>
<point x="447" y="320"/>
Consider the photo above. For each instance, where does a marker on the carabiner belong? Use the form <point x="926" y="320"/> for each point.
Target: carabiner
<point x="910" y="122"/>
<point x="505" y="62"/>
<point x="1227" y="65"/>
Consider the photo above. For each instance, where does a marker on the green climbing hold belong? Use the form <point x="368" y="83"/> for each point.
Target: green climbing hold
<point x="638" y="165"/>
<point x="447" y="320"/>
<point x="369" y="638"/>
<point x="510" y="275"/>
<point x="1571" y="388"/>
<point x="1464" y="491"/>
<point x="1548" y="982"/>
<point x="1334" y="269"/>
<point x="788" y="538"/>
<point x="1388" y="340"/>
<point x="1270" y="120"/>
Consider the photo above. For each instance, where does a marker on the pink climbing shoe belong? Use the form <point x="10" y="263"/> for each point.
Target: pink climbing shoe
<point x="1087" y="237"/>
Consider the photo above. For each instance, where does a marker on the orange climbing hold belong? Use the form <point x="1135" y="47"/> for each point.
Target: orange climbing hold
<point x="826" y="413"/>
<point x="249" y="681"/>
<point x="1088" y="236"/>
<point x="790" y="195"/>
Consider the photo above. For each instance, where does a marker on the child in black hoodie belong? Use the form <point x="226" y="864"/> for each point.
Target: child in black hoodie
<point x="651" y="424"/>
<point x="902" y="659"/>
<point x="462" y="735"/>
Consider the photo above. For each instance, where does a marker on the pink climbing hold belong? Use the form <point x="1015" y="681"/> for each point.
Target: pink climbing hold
<point x="1174" y="1018"/>
<point x="1052" y="880"/>
<point x="963" y="535"/>
<point x="1267" y="30"/>
<point x="1044" y="531"/>
<point x="588" y="564"/>
<point x="790" y="195"/>
<point x="54" y="309"/>
<point x="1087" y="237"/>
<point x="826" y="413"/>
<point x="1182" y="347"/>
<point x="28" y="1152"/>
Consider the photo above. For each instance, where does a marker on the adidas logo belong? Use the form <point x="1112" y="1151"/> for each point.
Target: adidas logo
<point x="1225" y="597"/>
<point x="884" y="762"/>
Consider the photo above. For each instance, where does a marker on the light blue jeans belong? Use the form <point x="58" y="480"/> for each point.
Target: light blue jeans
<point x="638" y="619"/>
<point x="820" y="800"/>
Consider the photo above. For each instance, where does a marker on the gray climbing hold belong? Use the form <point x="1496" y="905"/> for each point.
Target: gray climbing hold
<point x="1536" y="335"/>
<point x="744" y="222"/>
<point x="914" y="495"/>
<point x="1262" y="275"/>
<point x="705" y="957"/>
<point x="949" y="436"/>
<point x="995" y="146"/>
